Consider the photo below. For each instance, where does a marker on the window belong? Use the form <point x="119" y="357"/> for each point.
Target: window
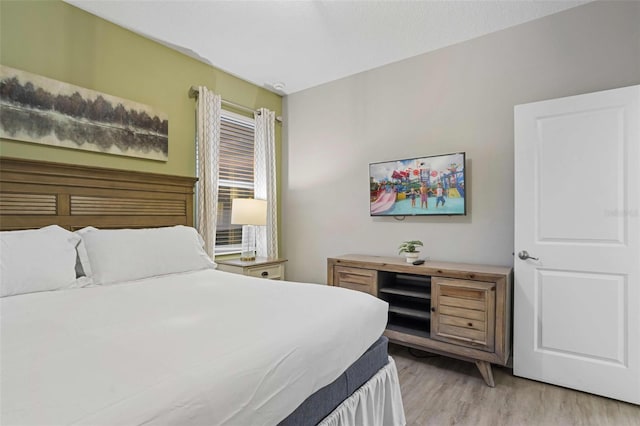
<point x="235" y="179"/>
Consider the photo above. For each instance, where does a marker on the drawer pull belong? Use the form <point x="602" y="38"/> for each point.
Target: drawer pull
<point x="265" y="274"/>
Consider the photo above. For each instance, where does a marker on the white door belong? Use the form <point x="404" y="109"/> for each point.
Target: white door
<point x="577" y="210"/>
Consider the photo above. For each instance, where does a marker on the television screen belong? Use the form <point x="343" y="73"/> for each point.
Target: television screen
<point x="418" y="186"/>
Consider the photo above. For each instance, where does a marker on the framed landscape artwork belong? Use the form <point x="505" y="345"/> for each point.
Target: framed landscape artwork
<point x="41" y="110"/>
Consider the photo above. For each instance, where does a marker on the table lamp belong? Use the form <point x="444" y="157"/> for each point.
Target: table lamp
<point x="249" y="213"/>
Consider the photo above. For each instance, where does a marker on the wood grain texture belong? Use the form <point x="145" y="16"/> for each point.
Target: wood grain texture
<point x="39" y="193"/>
<point x="365" y="280"/>
<point x="470" y="312"/>
<point x="126" y="206"/>
<point x="467" y="271"/>
<point x="29" y="204"/>
<point x="443" y="391"/>
<point x="486" y="372"/>
<point x="462" y="299"/>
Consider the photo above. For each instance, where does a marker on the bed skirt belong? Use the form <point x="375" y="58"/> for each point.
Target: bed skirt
<point x="376" y="403"/>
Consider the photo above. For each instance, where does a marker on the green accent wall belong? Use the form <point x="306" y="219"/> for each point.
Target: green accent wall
<point x="60" y="41"/>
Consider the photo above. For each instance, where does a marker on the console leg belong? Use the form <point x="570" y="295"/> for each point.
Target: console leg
<point x="486" y="372"/>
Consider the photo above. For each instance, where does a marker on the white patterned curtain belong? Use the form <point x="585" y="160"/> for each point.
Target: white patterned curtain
<point x="265" y="181"/>
<point x="208" y="146"/>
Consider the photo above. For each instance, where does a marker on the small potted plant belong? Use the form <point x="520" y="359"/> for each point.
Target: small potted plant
<point x="409" y="250"/>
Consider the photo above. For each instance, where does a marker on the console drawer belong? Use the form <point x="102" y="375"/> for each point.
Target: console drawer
<point x="364" y="280"/>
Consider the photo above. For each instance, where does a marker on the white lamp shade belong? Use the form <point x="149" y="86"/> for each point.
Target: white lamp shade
<point x="248" y="211"/>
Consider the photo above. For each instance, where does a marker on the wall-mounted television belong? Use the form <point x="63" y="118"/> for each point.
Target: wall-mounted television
<point x="422" y="186"/>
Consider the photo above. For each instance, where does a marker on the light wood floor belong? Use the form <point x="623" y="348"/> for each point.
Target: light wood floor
<point x="445" y="391"/>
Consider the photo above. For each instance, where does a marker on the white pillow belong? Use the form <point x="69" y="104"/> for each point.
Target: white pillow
<point x="116" y="255"/>
<point x="38" y="260"/>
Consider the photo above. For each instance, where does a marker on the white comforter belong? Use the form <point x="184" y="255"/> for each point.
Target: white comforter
<point x="201" y="348"/>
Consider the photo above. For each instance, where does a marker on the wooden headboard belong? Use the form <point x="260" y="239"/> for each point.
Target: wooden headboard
<point x="34" y="194"/>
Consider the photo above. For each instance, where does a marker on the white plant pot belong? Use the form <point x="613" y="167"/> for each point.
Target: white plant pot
<point x="412" y="257"/>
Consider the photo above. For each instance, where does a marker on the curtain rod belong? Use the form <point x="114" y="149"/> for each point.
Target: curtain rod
<point x="193" y="93"/>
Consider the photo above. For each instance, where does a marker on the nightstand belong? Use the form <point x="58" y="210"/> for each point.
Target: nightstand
<point x="262" y="267"/>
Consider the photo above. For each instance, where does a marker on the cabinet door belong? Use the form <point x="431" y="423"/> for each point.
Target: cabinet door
<point x="463" y="312"/>
<point x="365" y="280"/>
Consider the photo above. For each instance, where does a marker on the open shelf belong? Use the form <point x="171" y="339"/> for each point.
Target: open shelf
<point x="420" y="294"/>
<point x="414" y="313"/>
<point x="409" y="298"/>
<point x="417" y="279"/>
<point x="408" y="330"/>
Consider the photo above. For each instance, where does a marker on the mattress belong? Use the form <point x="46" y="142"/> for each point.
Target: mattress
<point x="324" y="401"/>
<point x="205" y="347"/>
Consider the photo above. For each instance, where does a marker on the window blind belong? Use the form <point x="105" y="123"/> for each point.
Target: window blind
<point x="236" y="177"/>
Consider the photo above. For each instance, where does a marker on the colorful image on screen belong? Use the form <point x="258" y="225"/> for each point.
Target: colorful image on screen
<point x="419" y="186"/>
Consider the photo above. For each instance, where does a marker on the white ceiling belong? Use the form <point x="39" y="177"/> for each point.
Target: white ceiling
<point x="302" y="44"/>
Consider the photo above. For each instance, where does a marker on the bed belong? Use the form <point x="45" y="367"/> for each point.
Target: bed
<point x="182" y="346"/>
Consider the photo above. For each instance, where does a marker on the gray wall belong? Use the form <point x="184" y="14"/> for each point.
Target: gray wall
<point x="459" y="98"/>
